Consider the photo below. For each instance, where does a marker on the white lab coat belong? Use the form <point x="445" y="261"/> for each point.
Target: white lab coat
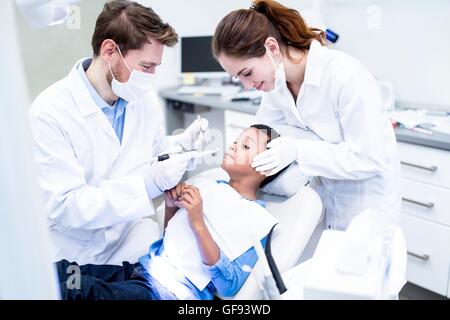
<point x="356" y="162"/>
<point x="94" y="195"/>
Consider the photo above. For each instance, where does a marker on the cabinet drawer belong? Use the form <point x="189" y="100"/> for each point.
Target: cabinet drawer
<point x="425" y="164"/>
<point x="428" y="247"/>
<point x="426" y="201"/>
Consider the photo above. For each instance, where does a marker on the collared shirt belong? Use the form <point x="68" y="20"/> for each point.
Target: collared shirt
<point x="116" y="117"/>
<point x="355" y="163"/>
<point x="115" y="113"/>
<point x="227" y="277"/>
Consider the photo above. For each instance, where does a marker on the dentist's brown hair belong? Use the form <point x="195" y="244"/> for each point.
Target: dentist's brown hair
<point x="242" y="33"/>
<point x="130" y="24"/>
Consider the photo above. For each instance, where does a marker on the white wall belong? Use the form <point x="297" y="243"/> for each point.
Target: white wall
<point x="410" y="48"/>
<point x="198" y="17"/>
<point x="50" y="53"/>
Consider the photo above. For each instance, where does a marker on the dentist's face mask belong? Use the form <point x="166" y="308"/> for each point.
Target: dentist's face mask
<point x="280" y="76"/>
<point x="137" y="85"/>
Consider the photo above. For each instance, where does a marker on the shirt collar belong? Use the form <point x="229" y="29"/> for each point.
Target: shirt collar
<point x="262" y="203"/>
<point x="82" y="67"/>
<point x="314" y="64"/>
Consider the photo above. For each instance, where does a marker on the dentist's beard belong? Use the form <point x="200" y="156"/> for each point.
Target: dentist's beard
<point x="119" y="75"/>
<point x="109" y="78"/>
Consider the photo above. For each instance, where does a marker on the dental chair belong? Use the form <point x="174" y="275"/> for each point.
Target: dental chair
<point x="298" y="217"/>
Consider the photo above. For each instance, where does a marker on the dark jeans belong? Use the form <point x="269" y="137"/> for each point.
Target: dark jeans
<point x="109" y="282"/>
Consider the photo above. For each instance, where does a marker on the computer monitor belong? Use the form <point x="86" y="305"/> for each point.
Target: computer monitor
<point x="197" y="58"/>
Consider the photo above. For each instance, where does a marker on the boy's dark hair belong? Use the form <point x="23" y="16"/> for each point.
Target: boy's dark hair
<point x="130" y="24"/>
<point x="271" y="132"/>
<point x="271" y="135"/>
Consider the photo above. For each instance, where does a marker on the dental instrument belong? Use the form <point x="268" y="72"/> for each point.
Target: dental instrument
<point x="202" y="132"/>
<point x="165" y="156"/>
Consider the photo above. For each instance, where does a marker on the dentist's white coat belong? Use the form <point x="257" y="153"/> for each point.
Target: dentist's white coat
<point x="356" y="162"/>
<point x="95" y="197"/>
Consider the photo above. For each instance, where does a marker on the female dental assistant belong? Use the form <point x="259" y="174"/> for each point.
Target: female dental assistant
<point x="269" y="47"/>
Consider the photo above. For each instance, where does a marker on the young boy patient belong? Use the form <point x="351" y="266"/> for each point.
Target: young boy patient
<point x="209" y="232"/>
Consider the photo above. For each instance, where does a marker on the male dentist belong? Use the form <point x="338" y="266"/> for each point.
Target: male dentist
<point x="95" y="131"/>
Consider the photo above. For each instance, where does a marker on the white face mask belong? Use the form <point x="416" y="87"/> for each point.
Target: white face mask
<point x="137" y="85"/>
<point x="280" y="75"/>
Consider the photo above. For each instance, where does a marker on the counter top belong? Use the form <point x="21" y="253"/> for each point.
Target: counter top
<point x="213" y="101"/>
<point x="436" y="140"/>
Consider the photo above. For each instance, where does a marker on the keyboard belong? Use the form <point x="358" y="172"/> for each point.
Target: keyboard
<point x="209" y="90"/>
<point x="246" y="95"/>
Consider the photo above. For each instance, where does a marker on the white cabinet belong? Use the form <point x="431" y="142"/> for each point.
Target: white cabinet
<point x="424" y="164"/>
<point x="425" y="216"/>
<point x="428" y="246"/>
<point x="426" y="201"/>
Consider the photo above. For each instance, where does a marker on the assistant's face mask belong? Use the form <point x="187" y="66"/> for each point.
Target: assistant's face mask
<point x="280" y="76"/>
<point x="137" y="85"/>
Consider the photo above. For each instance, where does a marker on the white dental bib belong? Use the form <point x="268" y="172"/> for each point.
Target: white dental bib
<point x="233" y="222"/>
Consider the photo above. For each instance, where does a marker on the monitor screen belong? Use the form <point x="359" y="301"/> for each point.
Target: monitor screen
<point x="196" y="56"/>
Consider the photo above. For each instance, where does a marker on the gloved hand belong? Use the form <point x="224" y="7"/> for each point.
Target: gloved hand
<point x="196" y="136"/>
<point x="281" y="152"/>
<point x="166" y="174"/>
